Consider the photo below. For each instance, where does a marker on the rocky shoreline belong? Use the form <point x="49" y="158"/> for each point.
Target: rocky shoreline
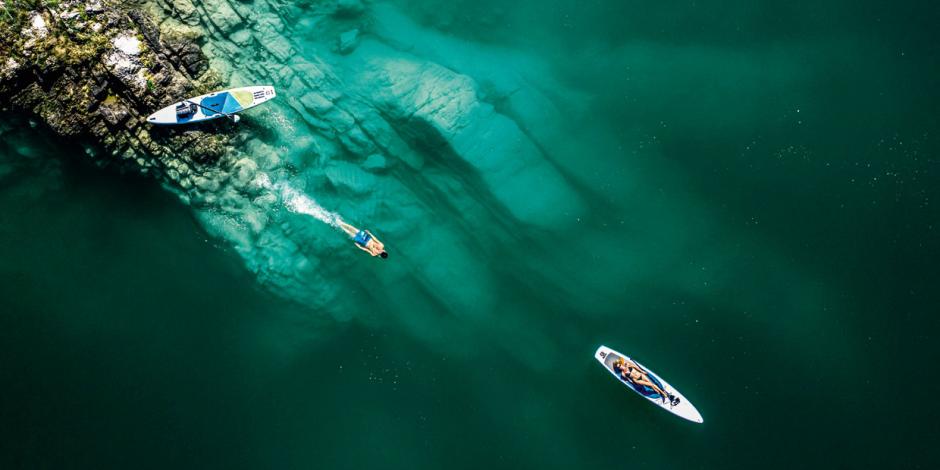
<point x="377" y="119"/>
<point x="92" y="71"/>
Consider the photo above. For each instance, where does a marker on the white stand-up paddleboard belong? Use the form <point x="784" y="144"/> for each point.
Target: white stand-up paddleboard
<point x="223" y="103"/>
<point x="674" y="403"/>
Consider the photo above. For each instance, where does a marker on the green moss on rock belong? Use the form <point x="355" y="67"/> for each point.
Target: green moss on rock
<point x="69" y="66"/>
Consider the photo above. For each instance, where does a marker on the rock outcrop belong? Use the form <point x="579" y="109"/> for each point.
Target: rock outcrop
<point x="374" y="130"/>
<point x="92" y="71"/>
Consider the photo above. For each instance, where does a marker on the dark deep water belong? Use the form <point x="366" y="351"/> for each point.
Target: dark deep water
<point x="760" y="228"/>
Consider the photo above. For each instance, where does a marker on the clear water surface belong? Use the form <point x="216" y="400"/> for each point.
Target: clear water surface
<point x="740" y="195"/>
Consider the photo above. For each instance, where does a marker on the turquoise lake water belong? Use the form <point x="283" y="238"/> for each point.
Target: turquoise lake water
<point x="741" y="196"/>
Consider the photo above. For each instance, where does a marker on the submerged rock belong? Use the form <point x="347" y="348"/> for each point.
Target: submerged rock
<point x="375" y="161"/>
<point x="349" y="8"/>
<point x="349" y="176"/>
<point x="348" y="41"/>
<point x="222" y="15"/>
<point x="439" y="110"/>
<point x="341" y="126"/>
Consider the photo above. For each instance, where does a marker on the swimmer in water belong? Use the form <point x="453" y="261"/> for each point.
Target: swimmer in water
<point x="365" y="241"/>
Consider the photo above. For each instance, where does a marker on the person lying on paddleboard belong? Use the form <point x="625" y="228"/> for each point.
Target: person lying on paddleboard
<point x="364" y="240"/>
<point x="633" y="374"/>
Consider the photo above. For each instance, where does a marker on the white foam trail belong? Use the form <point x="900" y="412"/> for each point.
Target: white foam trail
<point x="303" y="204"/>
<point x="299" y="203"/>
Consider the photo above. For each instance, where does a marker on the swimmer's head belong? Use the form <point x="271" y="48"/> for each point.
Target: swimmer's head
<point x="384" y="254"/>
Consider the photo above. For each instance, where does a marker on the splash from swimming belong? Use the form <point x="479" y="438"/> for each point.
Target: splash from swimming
<point x="299" y="203"/>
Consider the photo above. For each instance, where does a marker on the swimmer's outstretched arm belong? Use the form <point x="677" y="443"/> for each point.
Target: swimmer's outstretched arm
<point x="364" y="249"/>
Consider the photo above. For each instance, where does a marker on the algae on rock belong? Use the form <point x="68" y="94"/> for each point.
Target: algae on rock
<point x="94" y="71"/>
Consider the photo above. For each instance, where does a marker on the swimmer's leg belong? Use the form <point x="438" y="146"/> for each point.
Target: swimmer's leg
<point x="349" y="229"/>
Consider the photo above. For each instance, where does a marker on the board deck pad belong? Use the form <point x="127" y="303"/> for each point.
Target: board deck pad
<point x="214" y="105"/>
<point x="678" y="405"/>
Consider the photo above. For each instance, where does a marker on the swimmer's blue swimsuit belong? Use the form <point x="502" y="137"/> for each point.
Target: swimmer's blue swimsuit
<point x="362" y="238"/>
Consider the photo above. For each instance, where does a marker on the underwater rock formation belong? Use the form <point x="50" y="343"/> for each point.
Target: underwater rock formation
<point x="95" y="70"/>
<point x="374" y="132"/>
<point x="440" y="110"/>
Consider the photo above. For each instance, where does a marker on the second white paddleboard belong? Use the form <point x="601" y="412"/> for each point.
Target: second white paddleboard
<point x="678" y="405"/>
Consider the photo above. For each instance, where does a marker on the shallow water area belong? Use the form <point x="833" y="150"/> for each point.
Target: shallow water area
<point x="737" y="195"/>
